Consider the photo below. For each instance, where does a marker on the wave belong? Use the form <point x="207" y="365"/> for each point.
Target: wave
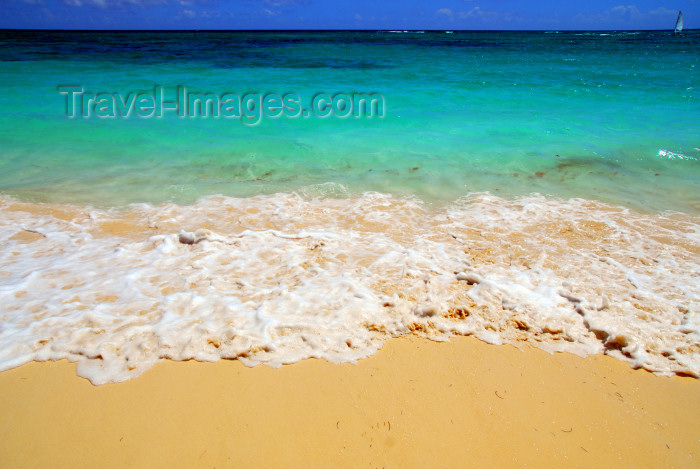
<point x="276" y="279"/>
<point x="675" y="155"/>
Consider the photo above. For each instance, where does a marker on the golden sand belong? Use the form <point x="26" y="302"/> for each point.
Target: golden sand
<point x="416" y="403"/>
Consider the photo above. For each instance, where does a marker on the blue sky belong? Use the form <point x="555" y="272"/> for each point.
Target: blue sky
<point x="346" y="14"/>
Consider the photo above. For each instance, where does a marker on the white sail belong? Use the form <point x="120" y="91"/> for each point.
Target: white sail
<point x="679" y="23"/>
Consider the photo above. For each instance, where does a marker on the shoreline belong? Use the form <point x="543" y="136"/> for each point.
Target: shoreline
<point x="414" y="403"/>
<point x="413" y="250"/>
<point x="280" y="280"/>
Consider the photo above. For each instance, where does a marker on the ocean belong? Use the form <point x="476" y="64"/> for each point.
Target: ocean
<point x="272" y="196"/>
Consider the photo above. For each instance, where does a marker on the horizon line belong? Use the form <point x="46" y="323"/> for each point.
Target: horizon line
<point x="342" y="30"/>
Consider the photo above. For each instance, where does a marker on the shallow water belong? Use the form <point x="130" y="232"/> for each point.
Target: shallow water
<point x="275" y="279"/>
<point x="521" y="187"/>
<point x="611" y="117"/>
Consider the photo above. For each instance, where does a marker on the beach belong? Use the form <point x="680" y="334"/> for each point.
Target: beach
<point x="381" y="248"/>
<point x="416" y="403"/>
<point x="278" y="279"/>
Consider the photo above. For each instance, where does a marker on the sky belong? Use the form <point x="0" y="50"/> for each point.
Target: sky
<point x="347" y="14"/>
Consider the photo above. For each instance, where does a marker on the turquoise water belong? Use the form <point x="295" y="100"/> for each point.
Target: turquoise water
<point x="563" y="114"/>
<point x="468" y="208"/>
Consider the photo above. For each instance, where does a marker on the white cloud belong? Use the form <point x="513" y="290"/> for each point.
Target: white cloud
<point x="626" y="11"/>
<point x="204" y="14"/>
<point x="444" y="11"/>
<point x="661" y="11"/>
<point x="476" y="11"/>
<point x="279" y="3"/>
<point x="622" y="15"/>
<point x="109" y="3"/>
<point x="488" y="16"/>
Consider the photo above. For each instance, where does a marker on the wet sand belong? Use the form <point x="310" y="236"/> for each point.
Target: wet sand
<point x="336" y="277"/>
<point x="416" y="403"/>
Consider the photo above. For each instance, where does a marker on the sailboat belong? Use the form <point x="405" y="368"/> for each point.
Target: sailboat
<point x="679" y="23"/>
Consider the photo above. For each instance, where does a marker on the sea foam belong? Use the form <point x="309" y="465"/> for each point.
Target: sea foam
<point x="280" y="278"/>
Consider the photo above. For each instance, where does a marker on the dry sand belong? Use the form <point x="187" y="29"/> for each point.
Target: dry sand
<point x="416" y="403"/>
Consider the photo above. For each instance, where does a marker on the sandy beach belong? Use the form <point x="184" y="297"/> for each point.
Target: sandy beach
<point x="394" y="234"/>
<point x="416" y="403"/>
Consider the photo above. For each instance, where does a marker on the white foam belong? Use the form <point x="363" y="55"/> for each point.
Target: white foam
<point x="276" y="279"/>
<point x="675" y="155"/>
